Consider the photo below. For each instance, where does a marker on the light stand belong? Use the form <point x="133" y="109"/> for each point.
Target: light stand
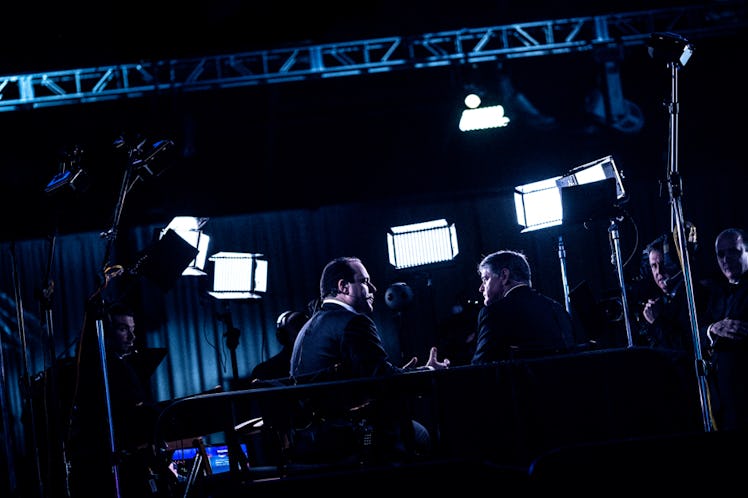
<point x="137" y="163"/>
<point x="564" y="278"/>
<point x="676" y="51"/>
<point x="33" y="444"/>
<point x="616" y="255"/>
<point x="237" y="276"/>
<point x="588" y="192"/>
<point x="586" y="202"/>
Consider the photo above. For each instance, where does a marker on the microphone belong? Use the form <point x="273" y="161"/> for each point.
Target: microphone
<point x="674" y="280"/>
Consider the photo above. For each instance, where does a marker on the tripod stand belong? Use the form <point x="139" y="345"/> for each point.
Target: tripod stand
<point x="676" y="51"/>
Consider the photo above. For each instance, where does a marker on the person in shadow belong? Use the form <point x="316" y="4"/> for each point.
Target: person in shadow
<point x="725" y="328"/>
<point x="288" y="325"/>
<point x="665" y="318"/>
<point x="132" y="411"/>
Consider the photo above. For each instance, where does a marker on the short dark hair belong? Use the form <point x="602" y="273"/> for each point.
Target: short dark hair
<point x="117" y="308"/>
<point x="334" y="271"/>
<point x="288" y="325"/>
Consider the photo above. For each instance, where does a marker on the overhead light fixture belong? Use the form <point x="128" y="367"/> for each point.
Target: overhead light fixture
<point x="541" y="204"/>
<point x="71" y="176"/>
<point x="670" y="47"/>
<point x="475" y="117"/>
<point x="422" y="243"/>
<point x="238" y="275"/>
<point x="190" y="229"/>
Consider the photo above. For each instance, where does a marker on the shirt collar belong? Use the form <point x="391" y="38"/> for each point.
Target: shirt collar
<point x="512" y="288"/>
<point x="339" y="303"/>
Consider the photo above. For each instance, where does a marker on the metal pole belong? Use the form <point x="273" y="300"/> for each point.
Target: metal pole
<point x="33" y="445"/>
<point x="676" y="216"/>
<point x="614" y="236"/>
<point x="564" y="279"/>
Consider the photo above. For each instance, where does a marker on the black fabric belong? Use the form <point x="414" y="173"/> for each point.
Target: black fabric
<point x="523" y="324"/>
<point x="728" y="358"/>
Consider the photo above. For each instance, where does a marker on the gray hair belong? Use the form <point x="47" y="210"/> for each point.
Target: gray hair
<point x="514" y="261"/>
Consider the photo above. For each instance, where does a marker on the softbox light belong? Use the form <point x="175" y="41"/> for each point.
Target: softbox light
<point x="238" y="275"/>
<point x="539" y="204"/>
<point x="164" y="260"/>
<point x="190" y="229"/>
<point x="422" y="243"/>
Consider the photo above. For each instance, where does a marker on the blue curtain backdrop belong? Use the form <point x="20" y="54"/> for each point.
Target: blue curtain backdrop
<point x="192" y="325"/>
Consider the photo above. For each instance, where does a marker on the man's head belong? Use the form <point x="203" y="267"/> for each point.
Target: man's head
<point x="288" y="325"/>
<point x="347" y="280"/>
<point x="500" y="271"/>
<point x="120" y="329"/>
<point x="660" y="266"/>
<point x="730" y="248"/>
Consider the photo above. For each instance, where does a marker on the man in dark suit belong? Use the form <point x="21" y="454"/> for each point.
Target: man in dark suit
<point x="340" y="341"/>
<point x="133" y="412"/>
<point x="725" y="326"/>
<point x="517" y="321"/>
<point x="665" y="317"/>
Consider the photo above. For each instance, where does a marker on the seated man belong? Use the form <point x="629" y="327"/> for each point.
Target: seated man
<point x="517" y="321"/>
<point x="340" y="341"/>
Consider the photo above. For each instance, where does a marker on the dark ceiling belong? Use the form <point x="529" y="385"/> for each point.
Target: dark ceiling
<point x="349" y="139"/>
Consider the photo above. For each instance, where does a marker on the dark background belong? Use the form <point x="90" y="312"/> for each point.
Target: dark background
<point x="385" y="146"/>
<point x="351" y="139"/>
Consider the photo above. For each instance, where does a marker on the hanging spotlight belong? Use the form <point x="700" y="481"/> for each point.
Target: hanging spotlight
<point x="475" y="117"/>
<point x="238" y="275"/>
<point x="190" y="229"/>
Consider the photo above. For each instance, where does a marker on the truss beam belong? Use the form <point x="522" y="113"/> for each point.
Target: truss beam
<point x="474" y="45"/>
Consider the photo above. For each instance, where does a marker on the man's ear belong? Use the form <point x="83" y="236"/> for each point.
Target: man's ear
<point x="504" y="274"/>
<point x="342" y="286"/>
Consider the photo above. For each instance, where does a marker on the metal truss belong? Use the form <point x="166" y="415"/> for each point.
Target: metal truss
<point x="474" y="45"/>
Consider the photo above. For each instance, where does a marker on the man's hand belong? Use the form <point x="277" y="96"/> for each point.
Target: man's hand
<point x="434" y="363"/>
<point x="411" y="364"/>
<point x="736" y="330"/>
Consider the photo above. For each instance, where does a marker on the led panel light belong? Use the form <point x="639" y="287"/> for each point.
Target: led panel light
<point x="483" y="118"/>
<point x="422" y="243"/>
<point x="238" y="275"/>
<point x="539" y="204"/>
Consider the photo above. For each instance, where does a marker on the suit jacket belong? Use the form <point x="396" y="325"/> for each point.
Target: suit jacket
<point x="672" y="327"/>
<point x="523" y="324"/>
<point x="337" y="344"/>
<point x="728" y="358"/>
<point x="340" y="344"/>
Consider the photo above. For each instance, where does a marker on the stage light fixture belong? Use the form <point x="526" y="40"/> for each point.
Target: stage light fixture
<point x="238" y="275"/>
<point x="190" y="229"/>
<point x="481" y="118"/>
<point x="71" y="176"/>
<point x="540" y="204"/>
<point x="422" y="243"/>
<point x="670" y="47"/>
